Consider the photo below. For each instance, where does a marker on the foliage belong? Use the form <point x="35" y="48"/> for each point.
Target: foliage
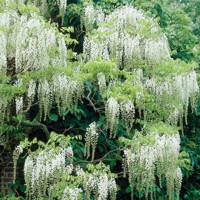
<point x="118" y="103"/>
<point x="176" y="24"/>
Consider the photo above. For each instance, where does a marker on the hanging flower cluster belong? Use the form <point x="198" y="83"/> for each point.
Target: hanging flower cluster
<point x="89" y="16"/>
<point x="91" y="139"/>
<point x="18" y="150"/>
<point x="98" y="183"/>
<point x="65" y="92"/>
<point x="3" y="50"/>
<point x="70" y="154"/>
<point x="158" y="155"/>
<point x="126" y="40"/>
<point x="115" y="110"/>
<point x="92" y="16"/>
<point x="112" y="111"/>
<point x="71" y="193"/>
<point x="134" y="38"/>
<point x="19" y="99"/>
<point x="62" y="89"/>
<point x="62" y="6"/>
<point x="31" y="92"/>
<point x="30" y="45"/>
<point x="43" y="170"/>
<point x="156" y="50"/>
<point x="156" y="95"/>
<point x="44" y="98"/>
<point x="112" y="186"/>
<point x="128" y="114"/>
<point x="97" y="46"/>
<point x="174" y="94"/>
<point x="101" y="82"/>
<point x="33" y="35"/>
<point x="19" y="105"/>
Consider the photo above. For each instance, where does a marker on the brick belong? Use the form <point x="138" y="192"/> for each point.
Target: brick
<point x="9" y="171"/>
<point x="10" y="165"/>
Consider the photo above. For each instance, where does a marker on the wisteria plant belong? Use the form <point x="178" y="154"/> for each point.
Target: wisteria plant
<point x="118" y="107"/>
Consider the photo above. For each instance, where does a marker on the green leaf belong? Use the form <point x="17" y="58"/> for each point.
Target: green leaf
<point x="53" y="117"/>
<point x="34" y="141"/>
<point x="23" y="188"/>
<point x="128" y="189"/>
<point x="101" y="149"/>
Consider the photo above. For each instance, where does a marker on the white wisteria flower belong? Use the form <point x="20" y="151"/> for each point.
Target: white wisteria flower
<point x="112" y="115"/>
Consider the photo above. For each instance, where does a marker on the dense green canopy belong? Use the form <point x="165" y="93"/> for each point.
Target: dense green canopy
<point x="94" y="105"/>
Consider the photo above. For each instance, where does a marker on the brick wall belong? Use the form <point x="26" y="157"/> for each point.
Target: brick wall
<point x="6" y="172"/>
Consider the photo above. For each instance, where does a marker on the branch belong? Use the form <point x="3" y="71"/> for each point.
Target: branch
<point x="29" y="106"/>
<point x="36" y="124"/>
<point x="90" y="101"/>
<point x="103" y="158"/>
<point x="99" y="159"/>
<point x="107" y="139"/>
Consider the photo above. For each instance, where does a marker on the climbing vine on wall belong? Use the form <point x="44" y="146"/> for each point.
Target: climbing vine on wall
<point x="120" y="105"/>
